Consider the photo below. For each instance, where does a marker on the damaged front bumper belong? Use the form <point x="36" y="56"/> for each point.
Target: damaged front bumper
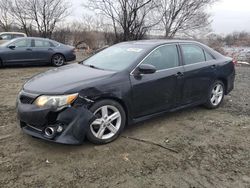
<point x="68" y="126"/>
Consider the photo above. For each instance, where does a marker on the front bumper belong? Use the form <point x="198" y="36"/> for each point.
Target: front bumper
<point x="72" y="121"/>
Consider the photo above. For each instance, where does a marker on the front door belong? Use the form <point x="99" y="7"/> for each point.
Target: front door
<point x="153" y="93"/>
<point x="21" y="52"/>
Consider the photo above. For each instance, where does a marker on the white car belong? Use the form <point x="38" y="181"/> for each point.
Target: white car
<point x="7" y="36"/>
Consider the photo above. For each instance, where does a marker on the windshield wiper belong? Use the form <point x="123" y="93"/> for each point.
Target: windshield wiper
<point x="93" y="66"/>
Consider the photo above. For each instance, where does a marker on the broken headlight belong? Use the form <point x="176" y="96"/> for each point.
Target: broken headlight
<point x="57" y="102"/>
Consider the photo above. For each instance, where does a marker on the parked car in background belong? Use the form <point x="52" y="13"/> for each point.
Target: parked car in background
<point x="7" y="36"/>
<point x="124" y="84"/>
<point x="31" y="51"/>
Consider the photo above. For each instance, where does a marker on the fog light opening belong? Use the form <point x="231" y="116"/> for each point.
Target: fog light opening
<point x="59" y="129"/>
<point x="49" y="132"/>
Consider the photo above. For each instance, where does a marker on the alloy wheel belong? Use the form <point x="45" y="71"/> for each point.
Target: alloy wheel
<point x="58" y="60"/>
<point x="217" y="94"/>
<point x="108" y="122"/>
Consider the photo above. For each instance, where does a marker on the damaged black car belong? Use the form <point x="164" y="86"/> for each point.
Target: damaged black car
<point x="123" y="84"/>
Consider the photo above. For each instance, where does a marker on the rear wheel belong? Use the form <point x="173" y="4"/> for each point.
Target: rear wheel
<point x="58" y="60"/>
<point x="216" y="95"/>
<point x="109" y="123"/>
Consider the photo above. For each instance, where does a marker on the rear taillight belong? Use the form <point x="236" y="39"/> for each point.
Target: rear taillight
<point x="235" y="62"/>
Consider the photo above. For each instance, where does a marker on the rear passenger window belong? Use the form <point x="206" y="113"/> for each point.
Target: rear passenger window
<point x="192" y="54"/>
<point x="164" y="57"/>
<point x="209" y="57"/>
<point x="42" y="44"/>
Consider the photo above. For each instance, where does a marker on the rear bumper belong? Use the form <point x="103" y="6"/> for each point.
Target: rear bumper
<point x="71" y="57"/>
<point x="230" y="83"/>
<point x="70" y="125"/>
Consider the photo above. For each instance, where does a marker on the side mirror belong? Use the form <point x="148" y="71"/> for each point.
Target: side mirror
<point x="147" y="69"/>
<point x="12" y="47"/>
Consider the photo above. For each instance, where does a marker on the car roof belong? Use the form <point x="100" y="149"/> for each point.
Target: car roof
<point x="38" y="38"/>
<point x="153" y="43"/>
<point x="157" y="42"/>
<point x="17" y="39"/>
<point x="19" y="33"/>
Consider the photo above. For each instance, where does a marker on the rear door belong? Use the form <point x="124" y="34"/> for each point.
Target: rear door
<point x="153" y="93"/>
<point x="43" y="50"/>
<point x="199" y="73"/>
<point x="21" y="53"/>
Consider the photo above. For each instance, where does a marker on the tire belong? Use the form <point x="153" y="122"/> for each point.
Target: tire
<point x="216" y="95"/>
<point x="58" y="60"/>
<point x="110" y="122"/>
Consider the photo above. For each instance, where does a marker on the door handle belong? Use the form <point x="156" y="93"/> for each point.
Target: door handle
<point x="179" y="74"/>
<point x="29" y="49"/>
<point x="213" y="66"/>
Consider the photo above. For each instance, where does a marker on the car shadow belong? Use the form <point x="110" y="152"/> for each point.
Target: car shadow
<point x="32" y="66"/>
<point x="128" y="129"/>
<point x="37" y="142"/>
<point x="24" y="66"/>
<point x="164" y="117"/>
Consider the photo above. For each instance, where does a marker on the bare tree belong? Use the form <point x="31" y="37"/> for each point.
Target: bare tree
<point x="40" y="15"/>
<point x="238" y="39"/>
<point x="183" y="15"/>
<point x="128" y="17"/>
<point x="5" y="17"/>
<point x="92" y="23"/>
<point x="19" y="12"/>
<point x="46" y="14"/>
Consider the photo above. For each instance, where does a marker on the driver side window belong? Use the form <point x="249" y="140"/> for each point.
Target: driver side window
<point x="164" y="57"/>
<point x="24" y="43"/>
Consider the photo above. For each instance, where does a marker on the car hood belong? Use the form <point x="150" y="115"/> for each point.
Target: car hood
<point x="65" y="79"/>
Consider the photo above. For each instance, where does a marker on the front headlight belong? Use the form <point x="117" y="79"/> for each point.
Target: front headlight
<point x="55" y="101"/>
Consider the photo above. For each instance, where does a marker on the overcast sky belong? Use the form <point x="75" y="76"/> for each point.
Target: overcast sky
<point x="227" y="15"/>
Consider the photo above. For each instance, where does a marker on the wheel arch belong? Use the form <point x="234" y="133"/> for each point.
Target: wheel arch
<point x="121" y="102"/>
<point x="58" y="53"/>
<point x="224" y="81"/>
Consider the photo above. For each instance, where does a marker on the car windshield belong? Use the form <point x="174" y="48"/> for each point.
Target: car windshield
<point x="115" y="58"/>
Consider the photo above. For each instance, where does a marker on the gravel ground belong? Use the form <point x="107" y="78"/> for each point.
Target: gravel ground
<point x="211" y="148"/>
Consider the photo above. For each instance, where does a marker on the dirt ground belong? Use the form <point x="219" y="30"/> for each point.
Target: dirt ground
<point x="213" y="147"/>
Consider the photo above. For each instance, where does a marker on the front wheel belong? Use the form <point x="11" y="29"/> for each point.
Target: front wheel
<point x="216" y="95"/>
<point x="58" y="60"/>
<point x="109" y="123"/>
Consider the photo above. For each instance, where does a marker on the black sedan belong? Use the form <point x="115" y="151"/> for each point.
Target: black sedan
<point x="126" y="83"/>
<point x="31" y="51"/>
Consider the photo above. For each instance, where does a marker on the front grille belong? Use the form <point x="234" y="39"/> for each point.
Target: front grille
<point x="26" y="99"/>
